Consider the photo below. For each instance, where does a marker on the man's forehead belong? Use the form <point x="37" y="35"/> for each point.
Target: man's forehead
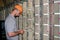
<point x="17" y="10"/>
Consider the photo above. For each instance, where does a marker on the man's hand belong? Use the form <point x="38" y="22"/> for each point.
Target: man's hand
<point x="21" y="31"/>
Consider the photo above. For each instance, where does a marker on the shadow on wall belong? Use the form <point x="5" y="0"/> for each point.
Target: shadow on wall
<point x="2" y="30"/>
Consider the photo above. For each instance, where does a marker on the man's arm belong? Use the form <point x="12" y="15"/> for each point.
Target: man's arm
<point x="11" y="34"/>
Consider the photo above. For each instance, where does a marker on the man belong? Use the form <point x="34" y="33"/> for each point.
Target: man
<point x="12" y="31"/>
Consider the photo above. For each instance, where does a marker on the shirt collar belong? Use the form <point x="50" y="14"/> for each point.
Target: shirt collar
<point x="12" y="16"/>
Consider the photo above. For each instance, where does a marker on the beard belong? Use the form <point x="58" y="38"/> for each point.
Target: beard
<point x="16" y="15"/>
